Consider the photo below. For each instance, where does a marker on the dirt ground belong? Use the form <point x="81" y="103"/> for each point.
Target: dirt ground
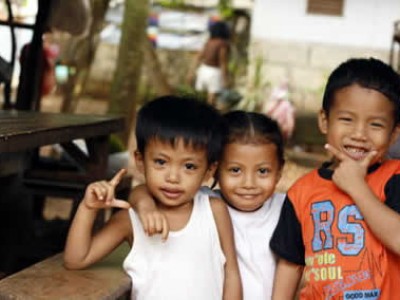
<point x="60" y="208"/>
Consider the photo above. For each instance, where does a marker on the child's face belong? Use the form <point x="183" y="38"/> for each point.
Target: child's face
<point x="248" y="174"/>
<point x="174" y="174"/>
<point x="360" y="120"/>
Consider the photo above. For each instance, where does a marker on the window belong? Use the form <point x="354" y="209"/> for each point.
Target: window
<point x="325" y="7"/>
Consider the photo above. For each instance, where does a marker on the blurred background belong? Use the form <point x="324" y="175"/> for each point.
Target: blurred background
<point x="111" y="56"/>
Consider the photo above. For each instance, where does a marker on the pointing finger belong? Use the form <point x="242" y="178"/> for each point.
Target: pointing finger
<point x="117" y="177"/>
<point x="335" y="152"/>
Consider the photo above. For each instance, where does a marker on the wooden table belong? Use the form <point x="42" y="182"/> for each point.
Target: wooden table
<point x="21" y="134"/>
<point x="27" y="130"/>
<point x="49" y="280"/>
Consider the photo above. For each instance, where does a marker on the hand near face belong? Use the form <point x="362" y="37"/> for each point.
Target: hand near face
<point x="101" y="194"/>
<point x="349" y="173"/>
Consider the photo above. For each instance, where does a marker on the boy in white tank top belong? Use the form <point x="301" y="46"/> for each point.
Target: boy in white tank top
<point x="179" y="141"/>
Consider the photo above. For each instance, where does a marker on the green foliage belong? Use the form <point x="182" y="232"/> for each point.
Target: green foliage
<point x="172" y="3"/>
<point x="225" y="8"/>
<point x="189" y="91"/>
<point x="257" y="89"/>
<point x="115" y="144"/>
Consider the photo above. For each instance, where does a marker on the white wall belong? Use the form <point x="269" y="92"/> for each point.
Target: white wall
<point x="365" y="23"/>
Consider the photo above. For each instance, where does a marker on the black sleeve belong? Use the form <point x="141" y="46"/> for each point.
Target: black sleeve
<point x="287" y="239"/>
<point x="392" y="193"/>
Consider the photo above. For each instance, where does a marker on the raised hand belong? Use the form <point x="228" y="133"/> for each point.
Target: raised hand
<point x="101" y="194"/>
<point x="349" y="173"/>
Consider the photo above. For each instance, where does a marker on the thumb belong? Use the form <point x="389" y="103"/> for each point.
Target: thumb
<point x="120" y="204"/>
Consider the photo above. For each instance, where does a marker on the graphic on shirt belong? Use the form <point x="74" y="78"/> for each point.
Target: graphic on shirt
<point x="349" y="240"/>
<point x="352" y="240"/>
<point x="362" y="295"/>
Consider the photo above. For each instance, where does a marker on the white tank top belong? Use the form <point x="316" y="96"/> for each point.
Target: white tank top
<point x="253" y="231"/>
<point x="189" y="265"/>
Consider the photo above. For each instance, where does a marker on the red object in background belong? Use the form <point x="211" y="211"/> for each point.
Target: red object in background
<point x="49" y="55"/>
<point x="281" y="110"/>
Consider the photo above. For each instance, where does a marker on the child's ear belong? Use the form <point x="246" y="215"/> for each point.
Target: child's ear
<point x="139" y="161"/>
<point x="211" y="171"/>
<point x="395" y="134"/>
<point x="323" y="121"/>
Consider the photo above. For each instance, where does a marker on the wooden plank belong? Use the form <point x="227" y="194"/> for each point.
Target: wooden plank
<point x="48" y="279"/>
<point x="26" y="130"/>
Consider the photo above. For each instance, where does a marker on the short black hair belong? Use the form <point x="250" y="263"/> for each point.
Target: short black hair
<point x="251" y="127"/>
<point x="220" y="30"/>
<point x="170" y="118"/>
<point x="369" y="73"/>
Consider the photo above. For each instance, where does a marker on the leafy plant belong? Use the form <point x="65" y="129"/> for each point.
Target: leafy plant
<point x="257" y="89"/>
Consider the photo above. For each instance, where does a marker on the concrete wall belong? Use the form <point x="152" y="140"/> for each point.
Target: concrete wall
<point x="288" y="44"/>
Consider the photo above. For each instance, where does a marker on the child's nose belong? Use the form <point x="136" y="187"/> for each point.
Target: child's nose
<point x="173" y="175"/>
<point x="359" y="132"/>
<point x="249" y="180"/>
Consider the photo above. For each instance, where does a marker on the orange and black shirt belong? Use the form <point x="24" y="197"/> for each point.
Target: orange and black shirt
<point x="322" y="229"/>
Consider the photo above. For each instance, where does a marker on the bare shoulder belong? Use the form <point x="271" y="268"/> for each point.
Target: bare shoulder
<point x="218" y="205"/>
<point x="220" y="211"/>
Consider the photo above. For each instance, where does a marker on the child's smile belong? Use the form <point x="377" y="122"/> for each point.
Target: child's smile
<point x="355" y="152"/>
<point x="360" y="120"/>
<point x="248" y="174"/>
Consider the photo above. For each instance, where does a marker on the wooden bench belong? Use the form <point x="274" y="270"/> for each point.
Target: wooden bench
<point x="48" y="279"/>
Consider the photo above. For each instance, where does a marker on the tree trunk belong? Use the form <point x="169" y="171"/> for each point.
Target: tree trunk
<point x="153" y="67"/>
<point x="125" y="85"/>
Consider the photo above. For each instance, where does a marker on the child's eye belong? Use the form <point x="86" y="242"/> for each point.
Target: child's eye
<point x="234" y="170"/>
<point x="345" y="119"/>
<point x="159" y="161"/>
<point x="263" y="171"/>
<point x="376" y="125"/>
<point x="190" y="166"/>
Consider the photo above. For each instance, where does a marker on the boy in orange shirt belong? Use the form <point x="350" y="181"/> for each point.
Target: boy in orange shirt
<point x="339" y="223"/>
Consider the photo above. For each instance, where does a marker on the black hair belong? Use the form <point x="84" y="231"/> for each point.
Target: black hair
<point x="220" y="30"/>
<point x="369" y="73"/>
<point x="250" y="127"/>
<point x="170" y="118"/>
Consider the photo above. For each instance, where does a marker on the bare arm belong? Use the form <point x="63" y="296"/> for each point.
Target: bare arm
<point x="374" y="212"/>
<point x="82" y="249"/>
<point x="286" y="281"/>
<point x="192" y="69"/>
<point x="350" y="177"/>
<point x="153" y="221"/>
<point x="224" y="62"/>
<point x="232" y="284"/>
